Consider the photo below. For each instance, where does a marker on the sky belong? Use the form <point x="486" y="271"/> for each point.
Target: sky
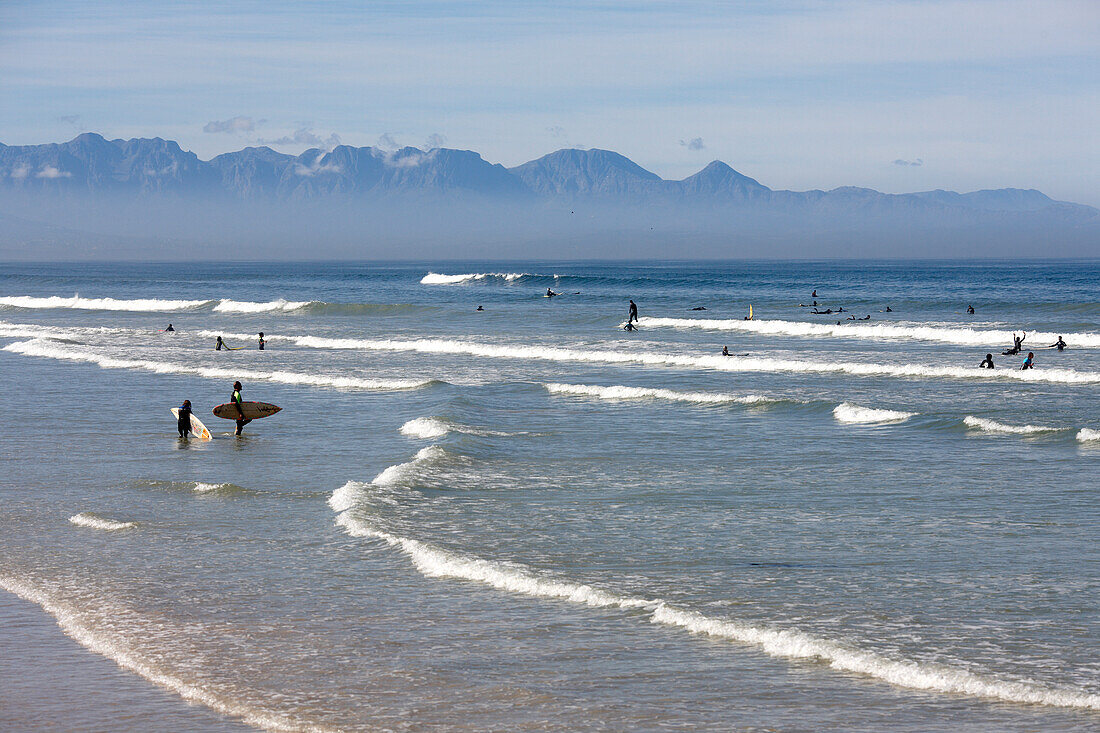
<point x="897" y="96"/>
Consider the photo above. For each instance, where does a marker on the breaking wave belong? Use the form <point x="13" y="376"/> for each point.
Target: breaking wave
<point x="39" y="347"/>
<point x="719" y="363"/>
<point x="237" y="306"/>
<point x="1086" y="435"/>
<point x="992" y="426"/>
<point x="426" y="428"/>
<point x="436" y="562"/>
<point x="846" y="412"/>
<point x="405" y="473"/>
<point x="433" y="278"/>
<point x="87" y="519"/>
<point x="82" y="627"/>
<point x="100" y="304"/>
<point x="946" y="334"/>
<point x="620" y="392"/>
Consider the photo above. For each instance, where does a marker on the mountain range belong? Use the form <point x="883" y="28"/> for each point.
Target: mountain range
<point x="77" y="183"/>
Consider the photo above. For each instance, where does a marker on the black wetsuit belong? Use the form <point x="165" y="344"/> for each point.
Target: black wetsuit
<point x="183" y="424"/>
<point x="218" y="346"/>
<point x="633" y="315"/>
<point x="241" y="422"/>
<point x="987" y="363"/>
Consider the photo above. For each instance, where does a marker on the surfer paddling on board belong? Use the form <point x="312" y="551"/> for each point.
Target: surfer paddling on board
<point x="183" y="419"/>
<point x="236" y="399"/>
<point x="550" y="293"/>
<point x="632" y="314"/>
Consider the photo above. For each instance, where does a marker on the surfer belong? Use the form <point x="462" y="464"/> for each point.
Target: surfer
<point x="169" y="329"/>
<point x="480" y="308"/>
<point x="220" y="344"/>
<point x="970" y="309"/>
<point x="889" y="309"/>
<point x="814" y="295"/>
<point x="725" y="351"/>
<point x="237" y="400"/>
<point x="630" y="327"/>
<point x="1017" y="345"/>
<point x="1029" y="362"/>
<point x="987" y="362"/>
<point x="1059" y="344"/>
<point x="262" y="342"/>
<point x="183" y="423"/>
<point x="550" y="293"/>
<point x="633" y="314"/>
<point x="698" y="308"/>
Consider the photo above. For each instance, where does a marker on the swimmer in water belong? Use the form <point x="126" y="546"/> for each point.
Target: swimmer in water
<point x="987" y="363"/>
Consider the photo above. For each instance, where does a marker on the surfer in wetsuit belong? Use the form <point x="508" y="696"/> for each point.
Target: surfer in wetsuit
<point x="169" y="329"/>
<point x="183" y="423"/>
<point x="237" y="400"/>
<point x="630" y="327"/>
<point x="970" y="309"/>
<point x="1029" y="362"/>
<point x="262" y="342"/>
<point x="220" y="344"/>
<point x="725" y="351"/>
<point x="480" y="308"/>
<point x="1059" y="344"/>
<point x="889" y="309"/>
<point x="814" y="295"/>
<point x="633" y="314"/>
<point x="987" y="363"/>
<point x="550" y="293"/>
<point x="1017" y="345"/>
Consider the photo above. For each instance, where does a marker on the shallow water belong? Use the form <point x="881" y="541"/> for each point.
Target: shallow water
<point x="526" y="518"/>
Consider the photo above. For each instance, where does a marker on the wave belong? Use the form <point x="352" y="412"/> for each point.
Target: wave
<point x="427" y="428"/>
<point x="433" y="278"/>
<point x="237" y="306"/>
<point x="101" y="304"/>
<point x="1086" y="435"/>
<point x="946" y="334"/>
<point x="436" y="562"/>
<point x="205" y="488"/>
<point x="846" y="412"/>
<point x="718" y="363"/>
<point x="87" y="519"/>
<point x="404" y="473"/>
<point x="41" y="348"/>
<point x="78" y="626"/>
<point x="992" y="426"/>
<point x="620" y="392"/>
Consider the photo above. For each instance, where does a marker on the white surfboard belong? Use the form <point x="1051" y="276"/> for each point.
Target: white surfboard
<point x="197" y="427"/>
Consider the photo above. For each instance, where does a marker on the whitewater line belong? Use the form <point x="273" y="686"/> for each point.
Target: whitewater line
<point x="434" y="562"/>
<point x="986" y="338"/>
<point x="148" y="305"/>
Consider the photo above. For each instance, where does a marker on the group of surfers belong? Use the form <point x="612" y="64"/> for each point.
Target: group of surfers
<point x="183" y="415"/>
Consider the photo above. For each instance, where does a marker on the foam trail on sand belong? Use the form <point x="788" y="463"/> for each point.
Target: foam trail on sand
<point x="82" y="628"/>
<point x="87" y="519"/>
<point x="992" y="426"/>
<point x="947" y="334"/>
<point x="436" y="562"/>
<point x="718" y="363"/>
<point x="38" y="347"/>
<point x="102" y="304"/>
<point x="620" y="392"/>
<point x="1086" y="435"/>
<point x="433" y="278"/>
<point x="846" y="412"/>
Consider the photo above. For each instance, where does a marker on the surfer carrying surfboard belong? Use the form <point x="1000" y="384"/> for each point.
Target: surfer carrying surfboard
<point x="183" y="419"/>
<point x="236" y="400"/>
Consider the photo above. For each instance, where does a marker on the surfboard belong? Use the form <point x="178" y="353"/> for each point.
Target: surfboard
<point x="197" y="427"/>
<point x="252" y="410"/>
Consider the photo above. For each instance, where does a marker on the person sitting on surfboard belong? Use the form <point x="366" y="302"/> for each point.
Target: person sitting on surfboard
<point x="262" y="342"/>
<point x="236" y="399"/>
<point x="183" y="422"/>
<point x="550" y="293"/>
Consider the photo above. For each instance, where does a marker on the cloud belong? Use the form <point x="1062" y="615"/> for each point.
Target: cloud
<point x="69" y="119"/>
<point x="386" y="141"/>
<point x="50" y="172"/>
<point x="917" y="162"/>
<point x="435" y="140"/>
<point x="21" y="172"/>
<point x="695" y="143"/>
<point x="240" y="123"/>
<point x="305" y="136"/>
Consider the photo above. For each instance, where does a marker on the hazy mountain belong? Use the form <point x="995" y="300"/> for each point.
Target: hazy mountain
<point x="578" y="202"/>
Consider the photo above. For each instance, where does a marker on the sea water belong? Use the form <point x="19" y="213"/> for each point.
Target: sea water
<point x="527" y="518"/>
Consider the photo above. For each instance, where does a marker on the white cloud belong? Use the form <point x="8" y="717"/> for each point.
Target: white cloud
<point x="695" y="143"/>
<point x="305" y="136"/>
<point x="240" y="123"/>
<point x="50" y="172"/>
<point x="435" y="140"/>
<point x="21" y="172"/>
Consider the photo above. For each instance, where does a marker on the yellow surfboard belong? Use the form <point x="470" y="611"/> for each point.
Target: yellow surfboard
<point x="197" y="427"/>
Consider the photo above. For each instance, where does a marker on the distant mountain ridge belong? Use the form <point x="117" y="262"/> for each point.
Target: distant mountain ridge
<point x="91" y="164"/>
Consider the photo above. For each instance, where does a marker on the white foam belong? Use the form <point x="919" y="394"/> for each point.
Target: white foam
<point x="846" y="412"/>
<point x="87" y="519"/>
<point x="204" y="488"/>
<point x="237" y="306"/>
<point x="425" y="428"/>
<point x="992" y="426"/>
<point x="620" y="392"/>
<point x="717" y="362"/>
<point x="943" y="333"/>
<point x="103" y="304"/>
<point x="1085" y="435"/>
<point x="38" y="347"/>
<point x="404" y="472"/>
<point x="82" y="628"/>
<point x="435" y="562"/>
<point x="433" y="278"/>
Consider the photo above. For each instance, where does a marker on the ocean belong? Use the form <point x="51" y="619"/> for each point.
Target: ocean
<point x="528" y="518"/>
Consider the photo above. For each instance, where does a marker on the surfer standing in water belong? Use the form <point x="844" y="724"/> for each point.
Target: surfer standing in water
<point x="262" y="342"/>
<point x="1029" y="362"/>
<point x="237" y="400"/>
<point x="987" y="363"/>
<point x="219" y="345"/>
<point x="632" y="315"/>
<point x="183" y="422"/>
<point x="169" y="329"/>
